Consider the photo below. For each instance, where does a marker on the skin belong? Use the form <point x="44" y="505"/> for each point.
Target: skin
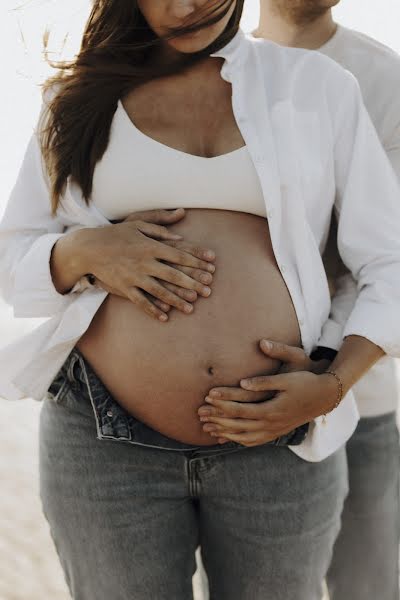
<point x="231" y="413"/>
<point x="297" y="23"/>
<point x="167" y="15"/>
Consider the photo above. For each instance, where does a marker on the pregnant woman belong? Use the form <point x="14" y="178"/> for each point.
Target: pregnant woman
<point x="164" y="221"/>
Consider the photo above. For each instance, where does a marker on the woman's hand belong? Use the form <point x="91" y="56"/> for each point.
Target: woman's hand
<point x="246" y="414"/>
<point x="133" y="257"/>
<point x="169" y="217"/>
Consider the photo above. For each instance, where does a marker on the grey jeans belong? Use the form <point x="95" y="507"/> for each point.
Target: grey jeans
<point x="128" y="507"/>
<point x="365" y="563"/>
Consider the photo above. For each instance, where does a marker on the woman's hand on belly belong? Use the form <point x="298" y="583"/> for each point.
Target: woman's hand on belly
<point x="170" y="217"/>
<point x="150" y="266"/>
<point x="248" y="416"/>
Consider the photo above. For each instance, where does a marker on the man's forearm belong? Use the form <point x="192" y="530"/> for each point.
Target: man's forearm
<point x="355" y="357"/>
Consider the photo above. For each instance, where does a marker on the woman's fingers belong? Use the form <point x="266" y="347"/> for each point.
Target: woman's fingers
<point x="175" y="276"/>
<point x="253" y="438"/>
<point x="161" y="305"/>
<point x="187" y="255"/>
<point x="157" y="232"/>
<point x="139" y="298"/>
<point x="197" y="274"/>
<point x="194" y="249"/>
<point x="188" y="295"/>
<point x="237" y="394"/>
<point x="230" y="425"/>
<point x="266" y="382"/>
<point x="292" y="356"/>
<point x="153" y="287"/>
<point x="158" y="217"/>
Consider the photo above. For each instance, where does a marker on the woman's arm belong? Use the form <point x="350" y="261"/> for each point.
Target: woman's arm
<point x="368" y="211"/>
<point x="28" y="233"/>
<point x="41" y="264"/>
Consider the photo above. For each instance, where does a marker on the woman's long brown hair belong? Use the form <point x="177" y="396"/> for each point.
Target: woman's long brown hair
<point x="115" y="56"/>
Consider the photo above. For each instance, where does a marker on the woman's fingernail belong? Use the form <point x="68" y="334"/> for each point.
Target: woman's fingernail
<point x="211" y="268"/>
<point x="206" y="291"/>
<point x="215" y="394"/>
<point x="267" y="344"/>
<point x="203" y="419"/>
<point x="209" y="428"/>
<point x="203" y="411"/>
<point x="175" y="236"/>
<point x="163" y="318"/>
<point x="210" y="255"/>
<point x="206" y="278"/>
<point x="244" y="382"/>
<point x="209" y="400"/>
<point x="188" y="308"/>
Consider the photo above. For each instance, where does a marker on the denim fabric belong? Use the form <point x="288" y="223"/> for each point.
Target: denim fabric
<point x="365" y="563"/>
<point x="127" y="511"/>
<point x="126" y="519"/>
<point x="77" y="384"/>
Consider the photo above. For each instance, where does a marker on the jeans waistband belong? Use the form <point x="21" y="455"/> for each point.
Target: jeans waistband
<point x="113" y="422"/>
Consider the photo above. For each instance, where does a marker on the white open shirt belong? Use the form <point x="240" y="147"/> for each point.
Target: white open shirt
<point x="314" y="149"/>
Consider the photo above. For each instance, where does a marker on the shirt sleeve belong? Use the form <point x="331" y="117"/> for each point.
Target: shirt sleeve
<point x="346" y="289"/>
<point x="368" y="210"/>
<point x="28" y="232"/>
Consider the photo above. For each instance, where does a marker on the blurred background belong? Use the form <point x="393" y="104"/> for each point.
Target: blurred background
<point x="28" y="565"/>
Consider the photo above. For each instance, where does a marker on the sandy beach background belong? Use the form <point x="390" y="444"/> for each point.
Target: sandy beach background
<point x="29" y="568"/>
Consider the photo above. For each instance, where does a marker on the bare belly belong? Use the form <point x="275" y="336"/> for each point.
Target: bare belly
<point x="161" y="372"/>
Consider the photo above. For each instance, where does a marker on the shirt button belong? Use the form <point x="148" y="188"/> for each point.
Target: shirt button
<point x="282" y="268"/>
<point x="270" y="213"/>
<point x="109" y="413"/>
<point x="301" y="322"/>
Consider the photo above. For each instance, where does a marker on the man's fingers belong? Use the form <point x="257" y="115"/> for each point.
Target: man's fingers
<point x="283" y="352"/>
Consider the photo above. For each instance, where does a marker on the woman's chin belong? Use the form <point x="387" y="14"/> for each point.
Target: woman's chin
<point x="190" y="43"/>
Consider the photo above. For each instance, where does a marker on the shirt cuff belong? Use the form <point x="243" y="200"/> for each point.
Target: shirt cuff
<point x="34" y="292"/>
<point x="379" y="326"/>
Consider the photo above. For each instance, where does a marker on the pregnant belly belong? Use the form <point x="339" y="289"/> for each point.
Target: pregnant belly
<point x="161" y="372"/>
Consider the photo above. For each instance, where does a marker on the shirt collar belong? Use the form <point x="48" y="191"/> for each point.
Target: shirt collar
<point x="234" y="50"/>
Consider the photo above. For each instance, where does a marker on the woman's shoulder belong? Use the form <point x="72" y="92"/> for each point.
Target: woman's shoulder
<point x="299" y="72"/>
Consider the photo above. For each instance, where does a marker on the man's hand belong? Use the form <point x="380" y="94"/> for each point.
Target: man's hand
<point x="249" y="416"/>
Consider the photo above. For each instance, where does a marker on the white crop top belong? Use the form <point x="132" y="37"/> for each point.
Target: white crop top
<point x="139" y="173"/>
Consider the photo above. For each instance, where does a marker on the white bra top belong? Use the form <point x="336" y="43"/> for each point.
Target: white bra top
<point x="139" y="173"/>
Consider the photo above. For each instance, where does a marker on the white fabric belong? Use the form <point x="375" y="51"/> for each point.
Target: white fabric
<point x="377" y="69"/>
<point x="162" y="177"/>
<point x="311" y="151"/>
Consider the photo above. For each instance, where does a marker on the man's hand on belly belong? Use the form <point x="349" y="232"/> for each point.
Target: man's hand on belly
<point x="247" y="415"/>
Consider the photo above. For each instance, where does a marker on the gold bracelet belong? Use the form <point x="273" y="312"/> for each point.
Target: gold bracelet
<point x="340" y="393"/>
